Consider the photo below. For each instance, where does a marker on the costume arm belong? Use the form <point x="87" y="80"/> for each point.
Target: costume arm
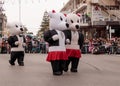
<point x="48" y="37"/>
<point x="67" y="34"/>
<point x="10" y="40"/>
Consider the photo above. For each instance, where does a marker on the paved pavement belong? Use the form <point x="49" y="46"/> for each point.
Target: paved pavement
<point x="94" y="70"/>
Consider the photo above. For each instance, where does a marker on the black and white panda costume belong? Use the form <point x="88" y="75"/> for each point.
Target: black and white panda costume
<point x="74" y="41"/>
<point x="17" y="43"/>
<point x="56" y="40"/>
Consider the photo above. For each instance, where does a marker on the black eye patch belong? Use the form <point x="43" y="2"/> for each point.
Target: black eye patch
<point x="61" y="18"/>
<point x="77" y="21"/>
<point x="16" y="26"/>
<point x="71" y="21"/>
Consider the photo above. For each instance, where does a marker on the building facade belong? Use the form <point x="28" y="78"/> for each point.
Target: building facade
<point x="99" y="18"/>
<point x="3" y="21"/>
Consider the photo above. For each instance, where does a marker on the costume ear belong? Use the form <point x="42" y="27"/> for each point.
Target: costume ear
<point x="78" y="14"/>
<point x="65" y="15"/>
<point x="51" y="13"/>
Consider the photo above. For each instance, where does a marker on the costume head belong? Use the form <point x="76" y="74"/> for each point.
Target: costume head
<point x="57" y="21"/>
<point x="15" y="28"/>
<point x="74" y="21"/>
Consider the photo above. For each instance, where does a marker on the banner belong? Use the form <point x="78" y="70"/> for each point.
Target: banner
<point x="96" y="13"/>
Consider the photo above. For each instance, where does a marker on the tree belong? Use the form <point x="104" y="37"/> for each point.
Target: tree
<point x="44" y="24"/>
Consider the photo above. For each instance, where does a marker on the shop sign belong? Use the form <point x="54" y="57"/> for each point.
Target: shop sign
<point x="96" y="14"/>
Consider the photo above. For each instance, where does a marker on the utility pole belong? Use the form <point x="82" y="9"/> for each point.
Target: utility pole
<point x="108" y="28"/>
<point x="110" y="32"/>
<point x="20" y="11"/>
<point x="1" y="19"/>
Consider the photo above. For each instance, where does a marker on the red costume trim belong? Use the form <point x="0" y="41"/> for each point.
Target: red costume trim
<point x="56" y="55"/>
<point x="73" y="53"/>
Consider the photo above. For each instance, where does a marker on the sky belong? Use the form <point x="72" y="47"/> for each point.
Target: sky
<point x="31" y="11"/>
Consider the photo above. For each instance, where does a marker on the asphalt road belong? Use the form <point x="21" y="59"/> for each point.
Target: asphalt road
<point x="94" y="70"/>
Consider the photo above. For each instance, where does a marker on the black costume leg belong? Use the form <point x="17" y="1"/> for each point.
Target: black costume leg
<point x="12" y="58"/>
<point x="74" y="64"/>
<point x="56" y="67"/>
<point x="62" y="65"/>
<point x="67" y="62"/>
<point x="21" y="58"/>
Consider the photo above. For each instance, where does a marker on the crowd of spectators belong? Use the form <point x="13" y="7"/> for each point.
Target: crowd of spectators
<point x="94" y="46"/>
<point x="101" y="45"/>
<point x="32" y="46"/>
<point x="36" y="46"/>
<point x="4" y="46"/>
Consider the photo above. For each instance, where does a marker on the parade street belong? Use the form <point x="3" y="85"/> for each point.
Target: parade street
<point x="94" y="70"/>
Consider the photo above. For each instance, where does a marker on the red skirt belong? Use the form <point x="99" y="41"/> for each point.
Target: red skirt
<point x="73" y="53"/>
<point x="56" y="55"/>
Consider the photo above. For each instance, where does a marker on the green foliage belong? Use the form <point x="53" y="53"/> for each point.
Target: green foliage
<point x="44" y="24"/>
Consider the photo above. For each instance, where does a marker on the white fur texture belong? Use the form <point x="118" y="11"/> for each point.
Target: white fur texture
<point x="73" y="20"/>
<point x="67" y="41"/>
<point x="14" y="28"/>
<point x="55" y="37"/>
<point x="17" y="43"/>
<point x="57" y="21"/>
